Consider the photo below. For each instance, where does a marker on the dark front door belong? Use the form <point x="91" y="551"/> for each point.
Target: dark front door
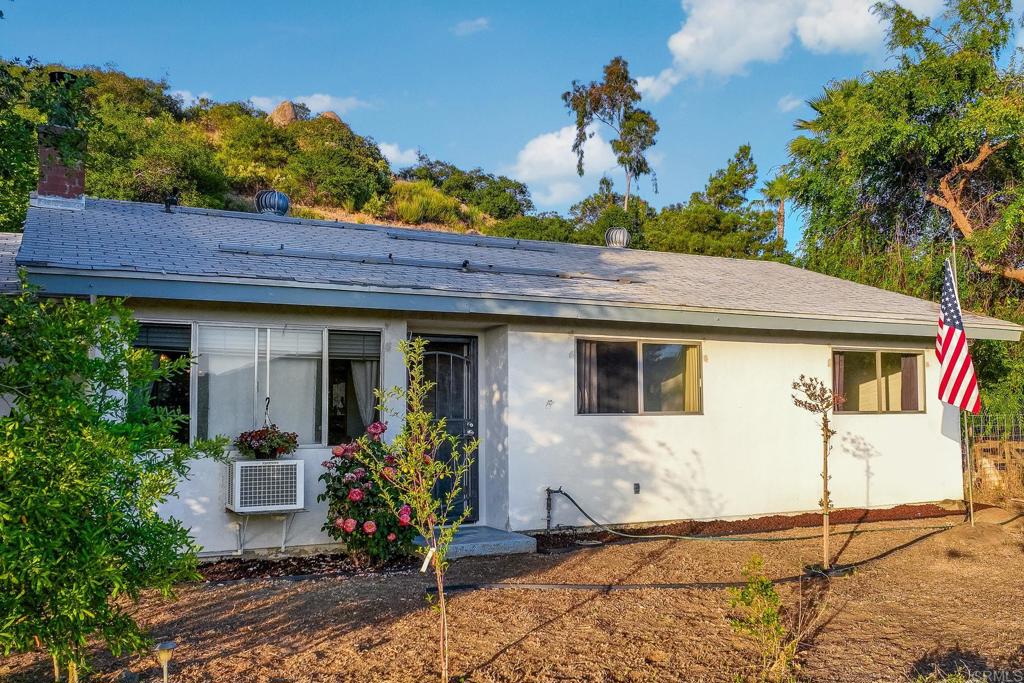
<point x="450" y="363"/>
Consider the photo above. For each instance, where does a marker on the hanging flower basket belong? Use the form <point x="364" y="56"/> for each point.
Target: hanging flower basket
<point x="267" y="443"/>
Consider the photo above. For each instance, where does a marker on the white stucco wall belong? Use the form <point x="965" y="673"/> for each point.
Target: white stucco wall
<point x="751" y="451"/>
<point x="200" y="504"/>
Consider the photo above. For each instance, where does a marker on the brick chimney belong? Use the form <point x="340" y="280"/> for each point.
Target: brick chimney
<point x="57" y="179"/>
<point x="61" y="185"/>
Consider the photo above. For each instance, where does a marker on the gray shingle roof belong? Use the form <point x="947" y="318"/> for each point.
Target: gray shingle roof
<point x="9" y="243"/>
<point x="198" y="243"/>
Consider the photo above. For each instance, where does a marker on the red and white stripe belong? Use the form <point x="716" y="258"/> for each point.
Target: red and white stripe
<point x="958" y="385"/>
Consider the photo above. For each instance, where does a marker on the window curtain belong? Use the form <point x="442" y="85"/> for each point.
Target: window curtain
<point x="838" y="375"/>
<point x="364" y="380"/>
<point x="909" y="394"/>
<point x="691" y="396"/>
<point x="586" y="376"/>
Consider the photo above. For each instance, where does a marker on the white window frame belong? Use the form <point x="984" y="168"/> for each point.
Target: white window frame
<point x="922" y="389"/>
<point x="639" y="341"/>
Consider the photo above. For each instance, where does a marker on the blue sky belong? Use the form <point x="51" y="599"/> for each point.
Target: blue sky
<point x="478" y="84"/>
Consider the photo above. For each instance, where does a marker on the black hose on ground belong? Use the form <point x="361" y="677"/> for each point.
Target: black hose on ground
<point x="723" y="539"/>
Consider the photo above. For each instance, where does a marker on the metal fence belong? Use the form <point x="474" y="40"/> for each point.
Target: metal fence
<point x="993" y="450"/>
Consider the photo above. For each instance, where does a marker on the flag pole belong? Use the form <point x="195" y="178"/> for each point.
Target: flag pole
<point x="965" y="429"/>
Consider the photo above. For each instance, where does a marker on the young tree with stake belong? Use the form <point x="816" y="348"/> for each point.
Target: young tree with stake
<point x="813" y="396"/>
<point x="410" y="475"/>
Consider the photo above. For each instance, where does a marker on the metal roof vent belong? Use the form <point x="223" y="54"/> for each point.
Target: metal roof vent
<point x="272" y="201"/>
<point x="617" y="238"/>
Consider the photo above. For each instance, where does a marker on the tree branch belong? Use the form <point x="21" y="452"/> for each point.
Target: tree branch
<point x="949" y="196"/>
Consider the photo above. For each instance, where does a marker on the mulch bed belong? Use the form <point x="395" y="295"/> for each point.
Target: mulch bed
<point x="335" y="564"/>
<point x="755" y="525"/>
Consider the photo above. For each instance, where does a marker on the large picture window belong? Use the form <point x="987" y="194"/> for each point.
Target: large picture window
<point x="637" y="377"/>
<point x="240" y="368"/>
<point x="879" y="381"/>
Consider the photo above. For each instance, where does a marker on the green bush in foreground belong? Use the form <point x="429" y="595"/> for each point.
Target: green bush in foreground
<point x="84" y="461"/>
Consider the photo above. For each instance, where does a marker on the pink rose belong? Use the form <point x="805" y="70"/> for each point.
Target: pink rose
<point x="377" y="428"/>
<point x="359" y="472"/>
<point x="404" y="520"/>
<point x="392" y="536"/>
<point x="339" y="523"/>
<point x="355" y="495"/>
<point x="327" y="464"/>
<point x="338" y="451"/>
<point x="405" y="510"/>
<point x="390" y="459"/>
<point x="388" y="473"/>
<point x="349" y="525"/>
<point x="369" y="527"/>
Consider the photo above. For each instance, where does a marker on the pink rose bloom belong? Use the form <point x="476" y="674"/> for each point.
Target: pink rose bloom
<point x="338" y="451"/>
<point x="390" y="459"/>
<point x="355" y="495"/>
<point x="359" y="472"/>
<point x="405" y="510"/>
<point x="327" y="464"/>
<point x="349" y="525"/>
<point x="367" y="486"/>
<point x="377" y="428"/>
<point x="369" y="527"/>
<point x="404" y="520"/>
<point x="339" y="523"/>
<point x="388" y="473"/>
<point x="392" y="536"/>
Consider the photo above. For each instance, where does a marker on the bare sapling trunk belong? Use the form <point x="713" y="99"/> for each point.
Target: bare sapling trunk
<point x="815" y="397"/>
<point x="414" y="468"/>
<point x="625" y="198"/>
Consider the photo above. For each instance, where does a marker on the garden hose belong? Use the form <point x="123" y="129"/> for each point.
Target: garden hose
<point x="731" y="539"/>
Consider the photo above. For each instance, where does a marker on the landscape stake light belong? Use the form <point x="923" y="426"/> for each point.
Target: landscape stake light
<point x="164" y="651"/>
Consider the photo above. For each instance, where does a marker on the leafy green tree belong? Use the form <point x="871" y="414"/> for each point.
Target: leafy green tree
<point x="498" y="196"/>
<point x="549" y="227"/>
<point x="777" y="191"/>
<point x="612" y="102"/>
<point x="897" y="161"/>
<point x="720" y="220"/>
<point x="84" y="461"/>
<point x="18" y="161"/>
<point x="142" y="158"/>
<point x="333" y="166"/>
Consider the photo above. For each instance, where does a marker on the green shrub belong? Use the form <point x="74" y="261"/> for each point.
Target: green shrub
<point x="86" y="461"/>
<point x="760" y="618"/>
<point x="377" y="206"/>
<point x="420" y="202"/>
<point x="547" y="227"/>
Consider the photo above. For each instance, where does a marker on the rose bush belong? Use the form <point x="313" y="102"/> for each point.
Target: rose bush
<point x="357" y="514"/>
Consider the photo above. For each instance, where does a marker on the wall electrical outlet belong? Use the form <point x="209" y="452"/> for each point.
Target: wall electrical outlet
<point x="636" y="487"/>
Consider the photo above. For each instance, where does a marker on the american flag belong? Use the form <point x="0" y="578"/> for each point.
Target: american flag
<point x="959" y="385"/>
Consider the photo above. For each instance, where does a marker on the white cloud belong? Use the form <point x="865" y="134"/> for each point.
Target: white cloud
<point x="468" y="27"/>
<point x="548" y="165"/>
<point x="397" y="156"/>
<point x="723" y="37"/>
<point x="789" y="102"/>
<point x="188" y="99"/>
<point x="317" y="103"/>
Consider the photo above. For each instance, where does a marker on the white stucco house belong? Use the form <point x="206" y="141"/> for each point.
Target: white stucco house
<point x="652" y="386"/>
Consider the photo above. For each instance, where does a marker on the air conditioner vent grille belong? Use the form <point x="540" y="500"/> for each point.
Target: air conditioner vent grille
<point x="265" y="485"/>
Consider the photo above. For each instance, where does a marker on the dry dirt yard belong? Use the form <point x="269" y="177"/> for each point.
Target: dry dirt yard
<point x="923" y="600"/>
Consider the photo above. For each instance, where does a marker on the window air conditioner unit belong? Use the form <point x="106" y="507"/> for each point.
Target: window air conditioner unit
<point x="255" y="486"/>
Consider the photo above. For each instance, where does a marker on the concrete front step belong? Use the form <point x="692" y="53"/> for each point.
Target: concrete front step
<point x="477" y="541"/>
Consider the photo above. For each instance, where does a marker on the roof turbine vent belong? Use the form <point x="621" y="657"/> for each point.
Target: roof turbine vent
<point x="272" y="201"/>
<point x="617" y="238"/>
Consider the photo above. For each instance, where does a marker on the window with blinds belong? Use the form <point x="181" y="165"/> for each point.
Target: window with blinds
<point x="353" y="376"/>
<point x="615" y="377"/>
<point x="169" y="342"/>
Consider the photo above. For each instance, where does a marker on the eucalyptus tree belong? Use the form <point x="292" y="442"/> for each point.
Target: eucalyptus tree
<point x="613" y="102"/>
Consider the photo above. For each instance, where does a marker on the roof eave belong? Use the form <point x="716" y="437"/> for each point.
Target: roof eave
<point x="253" y="291"/>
